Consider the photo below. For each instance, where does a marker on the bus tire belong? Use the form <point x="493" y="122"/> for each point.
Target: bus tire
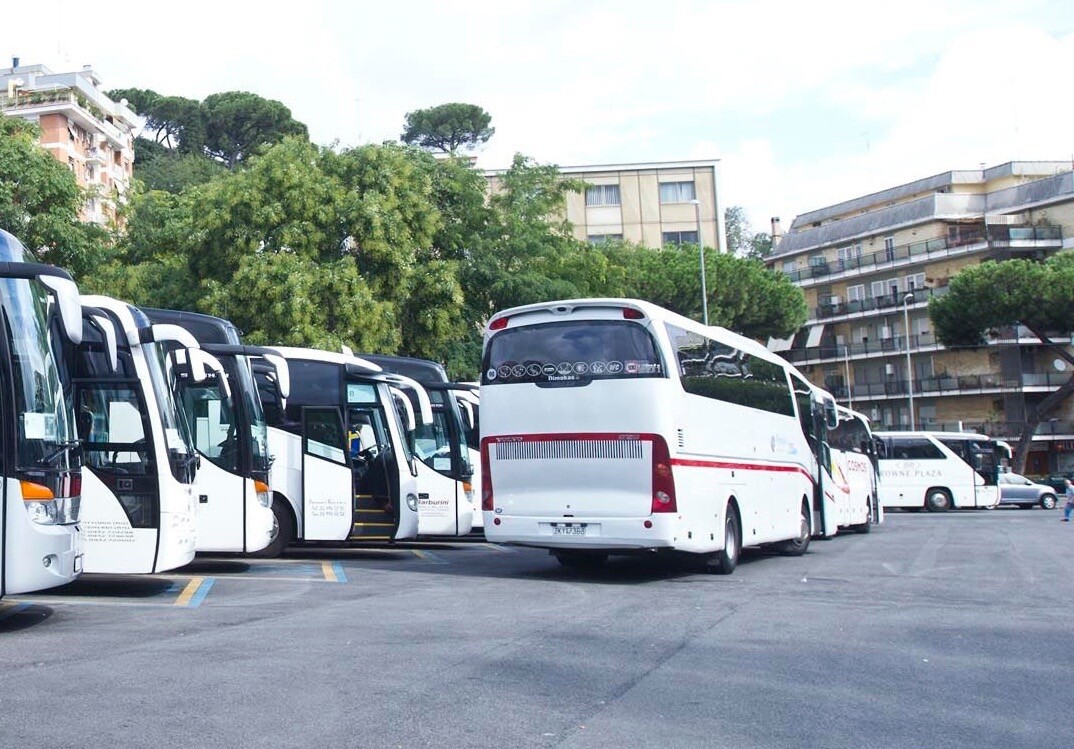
<point x="1048" y="502"/>
<point x="938" y="500"/>
<point x="581" y="559"/>
<point x="796" y="547"/>
<point x="285" y="531"/>
<point x="723" y="562"/>
<point x="867" y="526"/>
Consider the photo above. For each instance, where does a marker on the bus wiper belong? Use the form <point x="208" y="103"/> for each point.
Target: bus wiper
<point x="63" y="447"/>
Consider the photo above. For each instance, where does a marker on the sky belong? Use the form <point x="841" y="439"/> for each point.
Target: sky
<point x="804" y="104"/>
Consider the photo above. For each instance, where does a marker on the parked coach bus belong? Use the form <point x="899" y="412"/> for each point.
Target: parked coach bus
<point x="938" y="471"/>
<point x="446" y="500"/>
<point x="138" y="511"/>
<point x="342" y="467"/>
<point x="614" y="426"/>
<point x="234" y="499"/>
<point x="856" y="468"/>
<point x="40" y="545"/>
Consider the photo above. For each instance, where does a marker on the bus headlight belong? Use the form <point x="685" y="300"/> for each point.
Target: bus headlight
<point x="412" y="502"/>
<point x="44" y="508"/>
<point x="264" y="494"/>
<point x="42" y="512"/>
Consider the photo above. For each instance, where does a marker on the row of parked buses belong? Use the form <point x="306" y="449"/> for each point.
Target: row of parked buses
<point x="612" y="426"/>
<point x="133" y="438"/>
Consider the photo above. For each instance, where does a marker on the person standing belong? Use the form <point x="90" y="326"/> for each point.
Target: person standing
<point x="1068" y="490"/>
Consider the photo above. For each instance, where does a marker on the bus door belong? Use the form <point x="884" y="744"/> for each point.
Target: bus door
<point x="825" y="514"/>
<point x="374" y="464"/>
<point x="445" y="495"/>
<point x="326" y="475"/>
<point x="121" y="488"/>
<point x="220" y="487"/>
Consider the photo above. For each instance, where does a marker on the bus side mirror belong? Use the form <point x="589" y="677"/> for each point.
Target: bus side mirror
<point x="69" y="303"/>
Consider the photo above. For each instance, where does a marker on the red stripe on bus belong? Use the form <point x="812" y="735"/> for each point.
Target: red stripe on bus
<point x="739" y="466"/>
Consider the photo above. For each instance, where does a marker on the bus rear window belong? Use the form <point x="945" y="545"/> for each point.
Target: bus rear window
<point x="565" y="353"/>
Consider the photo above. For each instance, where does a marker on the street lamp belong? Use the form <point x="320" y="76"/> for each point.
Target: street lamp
<point x="701" y="250"/>
<point x="909" y="368"/>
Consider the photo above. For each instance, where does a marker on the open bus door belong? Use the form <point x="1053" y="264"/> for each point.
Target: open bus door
<point x="326" y="475"/>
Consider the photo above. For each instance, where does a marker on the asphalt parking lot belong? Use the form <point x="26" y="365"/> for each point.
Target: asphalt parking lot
<point x="935" y="630"/>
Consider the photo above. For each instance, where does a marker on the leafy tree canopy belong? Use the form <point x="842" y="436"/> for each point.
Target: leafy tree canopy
<point x="237" y="123"/>
<point x="40" y="202"/>
<point x="448" y="127"/>
<point x="742" y="240"/>
<point x="1039" y="296"/>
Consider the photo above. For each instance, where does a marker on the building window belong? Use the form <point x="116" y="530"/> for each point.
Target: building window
<point x="817" y="261"/>
<point x="677" y="192"/>
<point x="680" y="237"/>
<point x="602" y="195"/>
<point x="889" y="248"/>
<point x="789" y="266"/>
<point x="855" y="293"/>
<point x="604" y="238"/>
<point x="916" y="281"/>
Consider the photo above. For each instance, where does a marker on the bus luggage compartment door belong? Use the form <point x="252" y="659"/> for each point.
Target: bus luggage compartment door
<point x="326" y="475"/>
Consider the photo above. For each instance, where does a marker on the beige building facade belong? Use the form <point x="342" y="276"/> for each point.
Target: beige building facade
<point x="80" y="126"/>
<point x="868" y="267"/>
<point x="649" y="204"/>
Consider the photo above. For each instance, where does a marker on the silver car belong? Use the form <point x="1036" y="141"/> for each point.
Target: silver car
<point x="1020" y="491"/>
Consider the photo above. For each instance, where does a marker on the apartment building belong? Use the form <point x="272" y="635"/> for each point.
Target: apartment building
<point x="80" y="126"/>
<point x="868" y="267"/>
<point x="649" y="204"/>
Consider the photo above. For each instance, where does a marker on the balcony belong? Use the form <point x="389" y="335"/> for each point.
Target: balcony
<point x="884" y="346"/>
<point x="996" y="236"/>
<point x="928" y="387"/>
<point x="884" y="303"/>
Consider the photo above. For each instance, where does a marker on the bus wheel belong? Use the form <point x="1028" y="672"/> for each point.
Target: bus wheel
<point x="283" y="532"/>
<point x="867" y="526"/>
<point x="797" y="547"/>
<point x="938" y="500"/>
<point x="723" y="562"/>
<point x="581" y="559"/>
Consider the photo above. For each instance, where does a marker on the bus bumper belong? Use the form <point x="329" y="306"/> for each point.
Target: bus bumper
<point x="607" y="534"/>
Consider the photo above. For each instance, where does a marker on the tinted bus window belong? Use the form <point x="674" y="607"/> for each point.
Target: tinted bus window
<point x="571" y="353"/>
<point x="721" y="372"/>
<point x="914" y="448"/>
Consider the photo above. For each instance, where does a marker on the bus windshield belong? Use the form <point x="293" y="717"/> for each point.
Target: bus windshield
<point x="46" y="427"/>
<point x="571" y="353"/>
<point x="258" y="428"/>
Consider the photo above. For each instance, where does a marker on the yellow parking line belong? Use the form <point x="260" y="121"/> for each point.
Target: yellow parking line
<point x="192" y="589"/>
<point x="329" y="573"/>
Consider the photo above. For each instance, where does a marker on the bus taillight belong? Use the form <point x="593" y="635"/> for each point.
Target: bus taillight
<point x="486" y="478"/>
<point x="663" y="480"/>
<point x="498" y="324"/>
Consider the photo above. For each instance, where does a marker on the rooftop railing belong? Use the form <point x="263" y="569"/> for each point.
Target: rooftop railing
<point x="1002" y="235"/>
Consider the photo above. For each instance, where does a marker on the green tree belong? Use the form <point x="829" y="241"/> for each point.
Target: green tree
<point x="742" y="240"/>
<point x="1039" y="296"/>
<point x="238" y="123"/>
<point x="40" y="202"/>
<point x="175" y="172"/>
<point x="448" y="127"/>
<point x="284" y="298"/>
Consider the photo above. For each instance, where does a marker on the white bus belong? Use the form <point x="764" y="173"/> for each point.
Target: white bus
<point x="855" y="470"/>
<point x="138" y="513"/>
<point x="615" y="426"/>
<point x="938" y="471"/>
<point x="467" y="394"/>
<point x="40" y="545"/>
<point x="447" y="503"/>
<point x="342" y="469"/>
<point x="234" y="498"/>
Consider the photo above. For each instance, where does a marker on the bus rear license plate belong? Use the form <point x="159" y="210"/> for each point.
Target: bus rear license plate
<point x="573" y="529"/>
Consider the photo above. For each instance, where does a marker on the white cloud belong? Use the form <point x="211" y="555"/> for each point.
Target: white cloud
<point x="928" y="85"/>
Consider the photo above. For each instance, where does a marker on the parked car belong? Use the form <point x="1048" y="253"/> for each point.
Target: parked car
<point x="1020" y="491"/>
